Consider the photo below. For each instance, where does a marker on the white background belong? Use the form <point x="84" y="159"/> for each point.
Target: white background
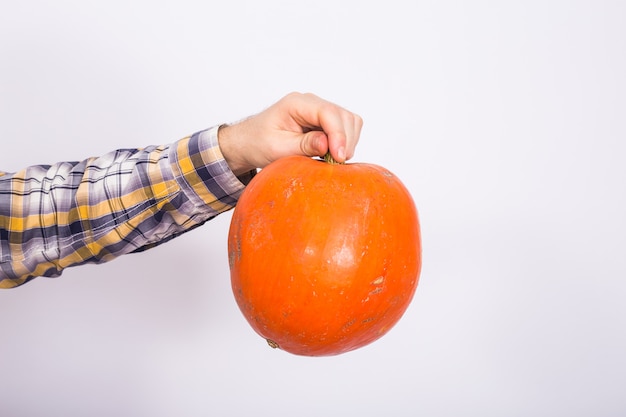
<point x="506" y="121"/>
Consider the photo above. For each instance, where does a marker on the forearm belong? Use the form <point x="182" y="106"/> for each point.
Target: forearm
<point x="68" y="214"/>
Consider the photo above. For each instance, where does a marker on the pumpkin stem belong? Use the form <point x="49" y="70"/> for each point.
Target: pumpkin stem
<point x="329" y="158"/>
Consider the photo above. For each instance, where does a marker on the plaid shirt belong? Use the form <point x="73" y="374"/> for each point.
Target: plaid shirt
<point x="53" y="217"/>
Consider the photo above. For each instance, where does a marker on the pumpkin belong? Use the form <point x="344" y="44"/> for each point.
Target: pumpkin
<point x="324" y="258"/>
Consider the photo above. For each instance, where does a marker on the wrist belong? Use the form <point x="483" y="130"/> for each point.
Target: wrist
<point x="227" y="140"/>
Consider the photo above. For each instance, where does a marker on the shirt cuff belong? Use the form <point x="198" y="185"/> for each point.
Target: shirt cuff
<point x="202" y="172"/>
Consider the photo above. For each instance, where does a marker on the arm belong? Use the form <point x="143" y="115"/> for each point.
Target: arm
<point x="54" y="217"/>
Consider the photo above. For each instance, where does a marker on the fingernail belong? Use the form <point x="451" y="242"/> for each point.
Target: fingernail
<point x="341" y="153"/>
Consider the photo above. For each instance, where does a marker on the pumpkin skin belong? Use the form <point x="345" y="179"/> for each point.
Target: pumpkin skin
<point x="324" y="258"/>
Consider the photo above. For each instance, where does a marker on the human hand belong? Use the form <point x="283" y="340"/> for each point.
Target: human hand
<point x="298" y="124"/>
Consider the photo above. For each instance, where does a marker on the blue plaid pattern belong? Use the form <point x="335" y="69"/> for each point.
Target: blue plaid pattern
<point x="71" y="213"/>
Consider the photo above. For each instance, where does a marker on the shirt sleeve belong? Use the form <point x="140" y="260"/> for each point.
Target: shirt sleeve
<point x="72" y="213"/>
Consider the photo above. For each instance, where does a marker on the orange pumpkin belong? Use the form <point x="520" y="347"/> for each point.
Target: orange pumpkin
<point x="324" y="258"/>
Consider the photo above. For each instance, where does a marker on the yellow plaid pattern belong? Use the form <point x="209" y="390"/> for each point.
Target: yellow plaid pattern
<point x="55" y="217"/>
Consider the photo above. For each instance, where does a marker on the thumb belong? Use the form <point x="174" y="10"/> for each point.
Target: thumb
<point x="314" y="143"/>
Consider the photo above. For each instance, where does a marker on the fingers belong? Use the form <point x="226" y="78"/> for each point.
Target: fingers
<point x="342" y="128"/>
<point x="298" y="124"/>
<point x="343" y="133"/>
<point x="314" y="143"/>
